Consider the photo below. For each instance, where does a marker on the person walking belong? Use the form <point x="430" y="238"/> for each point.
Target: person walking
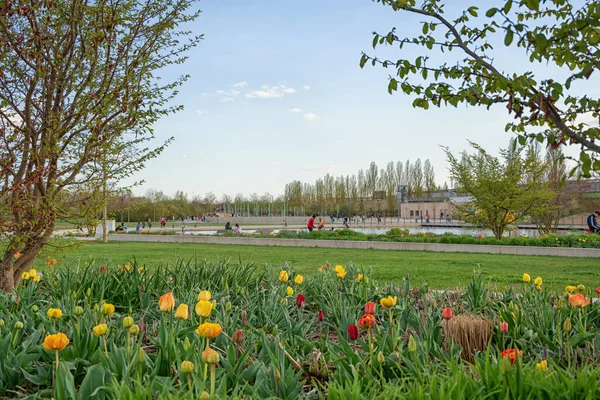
<point x="311" y="223"/>
<point x="149" y="223"/>
<point x="593" y="222"/>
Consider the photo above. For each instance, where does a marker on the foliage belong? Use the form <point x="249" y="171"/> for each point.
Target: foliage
<point x="561" y="33"/>
<point x="501" y="192"/>
<point x="273" y="348"/>
<point x="80" y="91"/>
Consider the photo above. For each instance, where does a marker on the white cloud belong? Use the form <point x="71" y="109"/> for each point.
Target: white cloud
<point x="310" y="116"/>
<point x="267" y="92"/>
<point x="221" y="92"/>
<point x="306" y="87"/>
<point x="240" y="84"/>
<point x="227" y="100"/>
<point x="294" y="110"/>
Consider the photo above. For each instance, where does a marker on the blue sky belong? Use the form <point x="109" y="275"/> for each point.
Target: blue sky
<point x="277" y="94"/>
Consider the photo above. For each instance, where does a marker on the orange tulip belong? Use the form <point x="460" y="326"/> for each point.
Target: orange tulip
<point x="367" y="321"/>
<point x="56" y="342"/>
<point x="511" y="354"/>
<point x="370" y="307"/>
<point x="166" y="302"/>
<point x="578" y="300"/>
<point x="209" y="330"/>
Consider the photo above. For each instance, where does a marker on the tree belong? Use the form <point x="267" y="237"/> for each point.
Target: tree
<point x="556" y="32"/>
<point x="79" y="83"/>
<point x="417" y="178"/>
<point x="429" y="178"/>
<point x="501" y="191"/>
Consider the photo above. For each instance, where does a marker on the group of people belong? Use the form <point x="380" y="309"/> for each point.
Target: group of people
<point x="236" y="229"/>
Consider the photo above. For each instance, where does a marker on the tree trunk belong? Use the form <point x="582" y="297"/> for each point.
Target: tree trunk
<point x="7" y="277"/>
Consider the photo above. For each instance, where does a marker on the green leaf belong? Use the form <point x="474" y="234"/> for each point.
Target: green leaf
<point x="375" y="39"/>
<point x="491" y="12"/>
<point x="473" y="10"/>
<point x="509" y="37"/>
<point x="425" y="28"/>
<point x="578" y="339"/>
<point x="393" y="85"/>
<point x="94" y="379"/>
<point x="363" y="60"/>
<point x="65" y="384"/>
<point x="507" y="6"/>
<point x="389" y="38"/>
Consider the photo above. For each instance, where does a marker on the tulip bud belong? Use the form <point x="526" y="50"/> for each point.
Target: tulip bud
<point x="35" y="308"/>
<point x="421" y="305"/>
<point x="1" y="322"/>
<point x="127" y="322"/>
<point x="18" y="325"/>
<point x="78" y="311"/>
<point x="412" y="345"/>
<point x="186" y="344"/>
<point x="73" y="295"/>
<point x="321" y="315"/>
<point x="134" y="329"/>
<point x="580" y="288"/>
<point x="277" y="374"/>
<point x="141" y="355"/>
<point x="504" y="327"/>
<point x="567" y="326"/>
<point x="88" y="292"/>
<point x="244" y="318"/>
<point x="204" y="395"/>
<point x="96" y="308"/>
<point x="380" y="358"/>
<point x="228" y="307"/>
<point x="238" y="336"/>
<point x="187" y="367"/>
<point x="511" y="307"/>
<point x="209" y="356"/>
<point x="370" y="308"/>
<point x="352" y="332"/>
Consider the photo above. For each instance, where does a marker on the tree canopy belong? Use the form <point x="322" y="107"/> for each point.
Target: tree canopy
<point x="80" y="90"/>
<point x="561" y="33"/>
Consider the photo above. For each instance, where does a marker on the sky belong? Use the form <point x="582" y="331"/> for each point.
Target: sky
<point x="276" y="94"/>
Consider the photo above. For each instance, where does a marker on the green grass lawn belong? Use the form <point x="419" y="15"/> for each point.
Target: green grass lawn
<point x="439" y="270"/>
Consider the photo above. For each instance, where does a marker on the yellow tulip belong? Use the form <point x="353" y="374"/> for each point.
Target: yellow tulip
<point x="542" y="366"/>
<point x="107" y="309"/>
<point x="388" y="302"/>
<point x="580" y="288"/>
<point x="54" y="313"/>
<point x="526" y="278"/>
<point x="571" y="289"/>
<point x="100" y="330"/>
<point x="283" y="276"/>
<point x="127" y="322"/>
<point x="298" y="279"/>
<point x="359" y="278"/>
<point x="538" y="281"/>
<point x="289" y="291"/>
<point x="204" y="295"/>
<point x="182" y="312"/>
<point x="203" y="308"/>
<point x="166" y="302"/>
<point x="340" y="271"/>
<point x="209" y="330"/>
<point x="56" y="342"/>
<point x="25" y="275"/>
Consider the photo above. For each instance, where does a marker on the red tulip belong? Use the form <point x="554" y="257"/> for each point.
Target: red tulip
<point x="504" y="327"/>
<point x="321" y="315"/>
<point x="511" y="354"/>
<point x="598" y="290"/>
<point x="370" y="308"/>
<point x="447" y="313"/>
<point x="101" y="269"/>
<point x="367" y="321"/>
<point x="300" y="299"/>
<point x="352" y="332"/>
<point x="238" y="336"/>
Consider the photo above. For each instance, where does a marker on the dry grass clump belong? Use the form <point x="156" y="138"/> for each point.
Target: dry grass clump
<point x="469" y="331"/>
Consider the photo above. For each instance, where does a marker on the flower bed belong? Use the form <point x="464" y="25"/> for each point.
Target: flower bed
<point x="584" y="240"/>
<point x="196" y="330"/>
